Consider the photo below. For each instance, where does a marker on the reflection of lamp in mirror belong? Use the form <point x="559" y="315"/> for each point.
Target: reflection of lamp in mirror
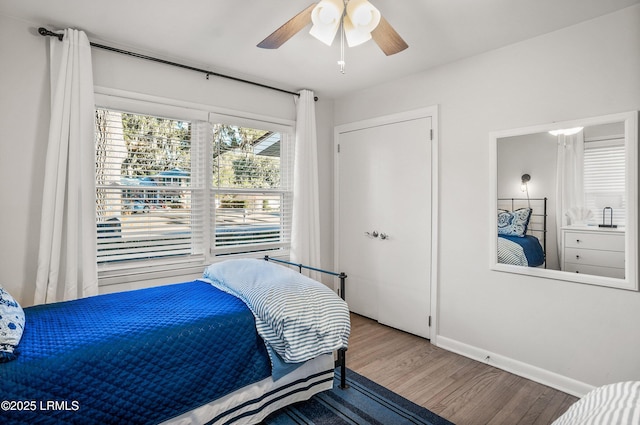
<point x="524" y="185"/>
<point x="566" y="131"/>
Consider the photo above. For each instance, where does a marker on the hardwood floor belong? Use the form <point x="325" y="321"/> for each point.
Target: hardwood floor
<point x="462" y="390"/>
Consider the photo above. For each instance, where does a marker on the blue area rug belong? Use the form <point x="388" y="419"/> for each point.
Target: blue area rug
<point x="364" y="402"/>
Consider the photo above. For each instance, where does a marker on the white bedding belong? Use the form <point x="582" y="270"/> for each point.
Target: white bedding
<point x="251" y="404"/>
<point x="614" y="404"/>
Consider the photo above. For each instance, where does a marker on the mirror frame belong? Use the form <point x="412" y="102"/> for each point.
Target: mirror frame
<point x="630" y="282"/>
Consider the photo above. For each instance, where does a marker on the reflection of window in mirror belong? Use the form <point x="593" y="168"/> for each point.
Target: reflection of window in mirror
<point x="604" y="174"/>
<point x="591" y="164"/>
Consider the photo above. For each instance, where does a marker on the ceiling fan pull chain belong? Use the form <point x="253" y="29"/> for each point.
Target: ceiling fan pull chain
<point x="341" y="62"/>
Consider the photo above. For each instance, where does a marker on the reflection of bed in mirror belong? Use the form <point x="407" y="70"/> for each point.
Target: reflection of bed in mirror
<point x="587" y="168"/>
<point x="522" y="231"/>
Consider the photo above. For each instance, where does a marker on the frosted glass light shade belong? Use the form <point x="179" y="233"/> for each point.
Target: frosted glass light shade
<point x="355" y="37"/>
<point x="363" y="15"/>
<point x="326" y="18"/>
<point x="362" y="18"/>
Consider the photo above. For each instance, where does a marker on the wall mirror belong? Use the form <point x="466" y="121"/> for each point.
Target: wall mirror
<point x="564" y="200"/>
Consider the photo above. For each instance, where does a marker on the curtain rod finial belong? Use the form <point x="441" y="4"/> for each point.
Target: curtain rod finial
<point x="45" y="32"/>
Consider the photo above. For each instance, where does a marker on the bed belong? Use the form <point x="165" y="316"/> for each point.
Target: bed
<point x="612" y="404"/>
<point x="246" y="339"/>
<point x="522" y="231"/>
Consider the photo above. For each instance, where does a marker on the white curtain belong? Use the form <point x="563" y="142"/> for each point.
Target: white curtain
<point x="305" y="229"/>
<point x="569" y="180"/>
<point x="67" y="258"/>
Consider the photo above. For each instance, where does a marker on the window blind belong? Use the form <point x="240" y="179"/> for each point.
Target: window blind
<point x="604" y="179"/>
<point x="144" y="187"/>
<point x="173" y="192"/>
<point x="251" y="190"/>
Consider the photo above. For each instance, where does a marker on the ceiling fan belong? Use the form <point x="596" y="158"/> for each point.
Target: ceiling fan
<point x="359" y="20"/>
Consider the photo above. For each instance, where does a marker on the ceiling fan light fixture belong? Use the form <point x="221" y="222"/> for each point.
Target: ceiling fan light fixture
<point x="355" y="36"/>
<point x="357" y="20"/>
<point x="326" y="17"/>
<point x="363" y="15"/>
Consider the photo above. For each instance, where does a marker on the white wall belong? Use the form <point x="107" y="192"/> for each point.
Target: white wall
<point x="324" y="118"/>
<point x="554" y="330"/>
<point x="24" y="120"/>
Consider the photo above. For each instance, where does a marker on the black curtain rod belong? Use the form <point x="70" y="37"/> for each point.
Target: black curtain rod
<point x="45" y="32"/>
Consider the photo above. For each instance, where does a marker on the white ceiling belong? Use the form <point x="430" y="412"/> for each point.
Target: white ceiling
<point x="221" y="35"/>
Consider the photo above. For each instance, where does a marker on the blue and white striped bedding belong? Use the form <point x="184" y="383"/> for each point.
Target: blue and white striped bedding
<point x="613" y="404"/>
<point x="520" y="250"/>
<point x="299" y="318"/>
<point x="510" y="252"/>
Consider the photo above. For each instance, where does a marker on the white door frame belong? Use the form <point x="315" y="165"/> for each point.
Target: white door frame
<point x="431" y="111"/>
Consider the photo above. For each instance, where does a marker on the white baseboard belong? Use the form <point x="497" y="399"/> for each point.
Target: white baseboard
<point x="534" y="373"/>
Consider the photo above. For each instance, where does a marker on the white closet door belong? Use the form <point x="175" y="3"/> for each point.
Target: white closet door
<point x="384" y="186"/>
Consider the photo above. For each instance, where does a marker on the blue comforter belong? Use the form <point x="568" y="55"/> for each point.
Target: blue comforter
<point x="133" y="357"/>
<point x="523" y="251"/>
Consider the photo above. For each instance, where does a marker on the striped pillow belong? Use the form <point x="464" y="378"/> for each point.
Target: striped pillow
<point x="298" y="317"/>
<point x="611" y="404"/>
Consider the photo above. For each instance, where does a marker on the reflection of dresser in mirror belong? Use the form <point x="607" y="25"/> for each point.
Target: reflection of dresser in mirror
<point x="593" y="250"/>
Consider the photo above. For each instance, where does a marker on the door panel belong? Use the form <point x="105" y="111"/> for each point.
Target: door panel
<point x="384" y="185"/>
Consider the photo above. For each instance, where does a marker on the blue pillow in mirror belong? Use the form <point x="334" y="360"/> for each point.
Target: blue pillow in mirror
<point x="514" y="223"/>
<point x="11" y="325"/>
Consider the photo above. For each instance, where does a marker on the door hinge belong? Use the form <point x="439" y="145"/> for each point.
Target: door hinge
<point x="338" y="147"/>
<point x="429" y="321"/>
<point x="431" y="134"/>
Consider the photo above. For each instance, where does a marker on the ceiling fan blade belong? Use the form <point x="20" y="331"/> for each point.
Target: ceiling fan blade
<point x="288" y="30"/>
<point x="387" y="38"/>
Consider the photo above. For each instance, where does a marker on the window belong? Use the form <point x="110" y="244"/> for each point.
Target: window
<point x="174" y="191"/>
<point x="144" y="189"/>
<point x="604" y="180"/>
<point x="251" y="190"/>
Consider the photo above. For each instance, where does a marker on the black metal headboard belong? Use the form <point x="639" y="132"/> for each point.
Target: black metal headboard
<point x="341" y="362"/>
<point x="538" y="223"/>
<point x="340" y="275"/>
